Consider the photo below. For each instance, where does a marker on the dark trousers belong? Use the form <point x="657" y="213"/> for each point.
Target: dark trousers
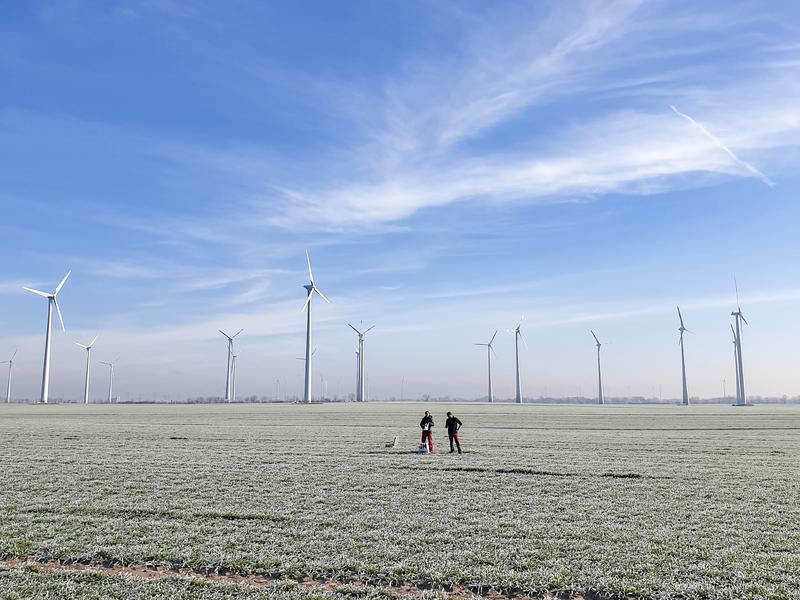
<point x="454" y="438"/>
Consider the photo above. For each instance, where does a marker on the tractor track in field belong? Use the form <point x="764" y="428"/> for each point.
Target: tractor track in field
<point x="349" y="585"/>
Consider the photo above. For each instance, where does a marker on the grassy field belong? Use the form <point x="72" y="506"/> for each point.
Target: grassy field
<point x="698" y="502"/>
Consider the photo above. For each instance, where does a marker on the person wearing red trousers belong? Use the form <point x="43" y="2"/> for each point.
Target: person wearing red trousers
<point x="453" y="424"/>
<point x="427" y="434"/>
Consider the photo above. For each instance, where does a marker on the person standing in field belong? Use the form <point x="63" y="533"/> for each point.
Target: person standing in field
<point x="427" y="434"/>
<point x="453" y="424"/>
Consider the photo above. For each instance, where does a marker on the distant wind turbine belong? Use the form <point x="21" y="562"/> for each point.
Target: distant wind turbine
<point x="10" y="362"/>
<point x="110" y="378"/>
<point x="51" y="302"/>
<point x="741" y="398"/>
<point x="230" y="361"/>
<point x="683" y="329"/>
<point x="517" y="336"/>
<point x="311" y="287"/>
<point x="360" y="368"/>
<point x="88" y="349"/>
<point x="489" y="350"/>
<point x="599" y="372"/>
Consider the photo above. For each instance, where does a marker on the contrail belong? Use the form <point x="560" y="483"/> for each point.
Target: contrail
<point x="722" y="146"/>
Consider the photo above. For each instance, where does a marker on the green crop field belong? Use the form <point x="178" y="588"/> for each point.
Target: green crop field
<point x="613" y="501"/>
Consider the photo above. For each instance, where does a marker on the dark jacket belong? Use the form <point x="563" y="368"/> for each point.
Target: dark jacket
<point x="453" y="424"/>
<point x="426" y="421"/>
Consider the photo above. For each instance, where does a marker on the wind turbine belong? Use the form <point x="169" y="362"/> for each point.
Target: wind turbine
<point x="682" y="329"/>
<point x="51" y="302"/>
<point x="110" y="378"/>
<point x="230" y="360"/>
<point x="599" y="372"/>
<point x="741" y="399"/>
<point x="360" y="370"/>
<point x="88" y="349"/>
<point x="10" y="362"/>
<point x="311" y="287"/>
<point x="489" y="351"/>
<point x="517" y="336"/>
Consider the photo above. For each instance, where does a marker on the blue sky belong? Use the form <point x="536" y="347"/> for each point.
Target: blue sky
<point x="449" y="166"/>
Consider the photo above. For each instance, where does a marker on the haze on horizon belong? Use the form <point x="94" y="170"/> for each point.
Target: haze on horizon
<point x="450" y="167"/>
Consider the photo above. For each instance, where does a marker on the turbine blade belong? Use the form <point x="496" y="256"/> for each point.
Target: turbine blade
<point x="310" y="273"/>
<point x="742" y="316"/>
<point x="237" y="333"/>
<point x="594" y="336"/>
<point x="324" y="297"/>
<point x="93" y="341"/>
<point x="60" y="318"/>
<point x="223" y="333"/>
<point x="37" y="292"/>
<point x="524" y="341"/>
<point x="494" y="336"/>
<point x="13" y="355"/>
<point x="680" y="317"/>
<point x="371" y="327"/>
<point x="354" y="329"/>
<point x="308" y="299"/>
<point x="63" y="281"/>
<point x="314" y="352"/>
<point x="81" y="345"/>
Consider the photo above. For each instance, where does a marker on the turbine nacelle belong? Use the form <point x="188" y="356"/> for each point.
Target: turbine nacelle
<point x="596" y="340"/>
<point x="88" y="346"/>
<point x="230" y="337"/>
<point x="53" y="297"/>
<point x="491" y="341"/>
<point x="311" y="287"/>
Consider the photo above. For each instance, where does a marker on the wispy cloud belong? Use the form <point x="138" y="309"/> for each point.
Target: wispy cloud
<point x="428" y="151"/>
<point x="717" y="142"/>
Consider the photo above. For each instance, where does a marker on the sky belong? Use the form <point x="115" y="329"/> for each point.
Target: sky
<point x="451" y="167"/>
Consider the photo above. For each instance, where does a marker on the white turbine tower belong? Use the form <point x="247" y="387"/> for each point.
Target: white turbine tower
<point x="51" y="302"/>
<point x="517" y="336"/>
<point x="682" y="330"/>
<point x="736" y="363"/>
<point x="489" y="351"/>
<point x="358" y="372"/>
<point x="233" y="377"/>
<point x="88" y="349"/>
<point x="110" y="379"/>
<point x="599" y="372"/>
<point x="741" y="399"/>
<point x="311" y="287"/>
<point x="10" y="362"/>
<point x="360" y="368"/>
<point x="230" y="360"/>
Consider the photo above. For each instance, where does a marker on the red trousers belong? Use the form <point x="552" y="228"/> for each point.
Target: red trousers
<point x="427" y="438"/>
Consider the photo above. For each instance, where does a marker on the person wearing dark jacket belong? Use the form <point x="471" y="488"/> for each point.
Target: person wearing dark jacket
<point x="453" y="424"/>
<point x="427" y="434"/>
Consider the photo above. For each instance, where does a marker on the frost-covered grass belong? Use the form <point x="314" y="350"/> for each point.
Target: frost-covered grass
<point x="28" y="584"/>
<point x="701" y="502"/>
